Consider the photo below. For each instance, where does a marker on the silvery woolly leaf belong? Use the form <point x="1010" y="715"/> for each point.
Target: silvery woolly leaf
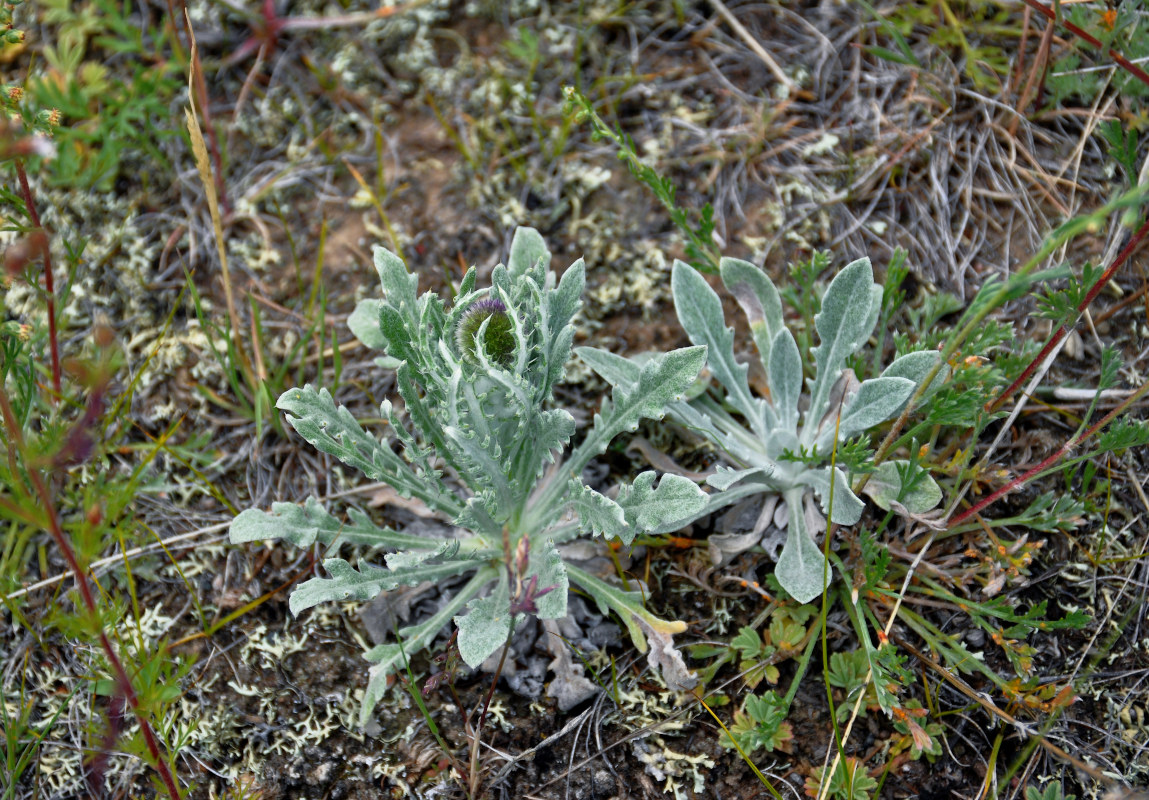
<point x="650" y="510"/>
<point x="304" y="525"/>
<point x="885" y="484"/>
<point x="364" y="323"/>
<point x="552" y="432"/>
<point x="527" y="247"/>
<point x="847" y="508"/>
<point x="447" y="550"/>
<point x="916" y="367"/>
<point x="485" y="626"/>
<point x="785" y="379"/>
<point x="476" y="514"/>
<point x="700" y="312"/>
<point x="725" y="477"/>
<point x="365" y="583"/>
<point x="616" y="370"/>
<point x="801" y="569"/>
<point x="390" y="658"/>
<point x="399" y="286"/>
<point x="561" y="306"/>
<point x="623" y="373"/>
<point x="661" y="382"/>
<point x="400" y="333"/>
<point x="876" y="401"/>
<point x="628" y="605"/>
<point x="597" y="513"/>
<point x="755" y="293"/>
<point x="333" y="430"/>
<point x="547" y="566"/>
<point x="842" y="328"/>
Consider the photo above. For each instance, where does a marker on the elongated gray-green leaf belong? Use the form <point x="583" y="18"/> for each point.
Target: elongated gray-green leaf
<point x="844" y="507"/>
<point x="700" y="312"/>
<point x="876" y="401"/>
<point x="547" y="566"/>
<point x="390" y="658"/>
<point x="917" y="367"/>
<point x="562" y="305"/>
<point x="484" y="628"/>
<point x="619" y="372"/>
<point x="801" y="568"/>
<point x="785" y="379"/>
<point x="623" y="373"/>
<point x="842" y="329"/>
<point x="597" y="513"/>
<point x="365" y="583"/>
<point x="333" y="430"/>
<point x="725" y="477"/>
<point x="399" y="286"/>
<point x="661" y="382"/>
<point x="364" y="323"/>
<point x="755" y="293"/>
<point x="627" y="604"/>
<point x="304" y="525"/>
<point x="527" y="247"/>
<point x="651" y="510"/>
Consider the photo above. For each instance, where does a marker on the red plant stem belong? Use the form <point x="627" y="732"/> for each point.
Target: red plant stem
<point x="123" y="682"/>
<point x="1128" y="65"/>
<point x="1062" y="331"/>
<point x="49" y="281"/>
<point x="1069" y="444"/>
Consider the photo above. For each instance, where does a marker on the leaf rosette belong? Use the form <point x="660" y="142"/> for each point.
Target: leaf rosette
<point x="782" y="443"/>
<point x="479" y="444"/>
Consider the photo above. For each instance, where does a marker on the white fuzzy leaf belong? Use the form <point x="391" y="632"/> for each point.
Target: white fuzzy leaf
<point x="304" y="525"/>
<point x="547" y="565"/>
<point x="842" y="328"/>
<point x="885" y="484"/>
<point x="755" y="293"/>
<point x="364" y="323"/>
<point x="597" y="513"/>
<point x="700" y="312"/>
<point x="801" y="568"/>
<point x="785" y="379"/>
<point x="876" y="401"/>
<point x="916" y="367"/>
<point x="847" y="508"/>
<point x="485" y="626"/>
<point x="673" y="504"/>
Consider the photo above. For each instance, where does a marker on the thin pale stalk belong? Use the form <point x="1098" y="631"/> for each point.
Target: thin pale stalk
<point x="123" y="682"/>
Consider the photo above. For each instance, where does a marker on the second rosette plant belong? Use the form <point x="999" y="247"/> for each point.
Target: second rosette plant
<point x="783" y="444"/>
<point x="475" y="437"/>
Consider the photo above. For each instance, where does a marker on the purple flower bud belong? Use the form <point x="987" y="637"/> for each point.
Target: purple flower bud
<point x="499" y="337"/>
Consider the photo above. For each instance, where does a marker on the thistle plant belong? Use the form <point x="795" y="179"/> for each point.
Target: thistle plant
<point x="786" y="444"/>
<point x="475" y="440"/>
